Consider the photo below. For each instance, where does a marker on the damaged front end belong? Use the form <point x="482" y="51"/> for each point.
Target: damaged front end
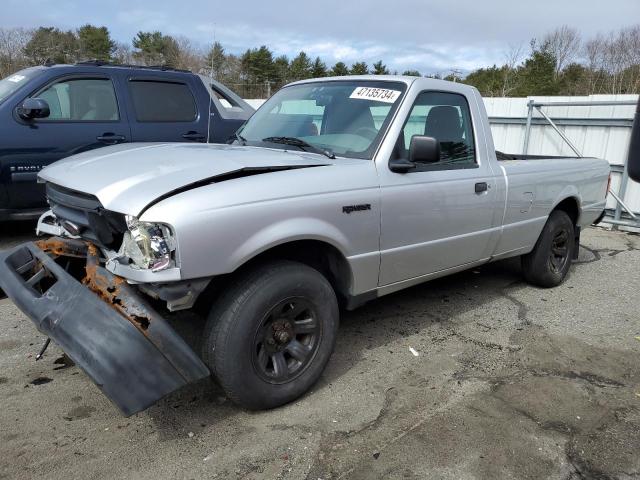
<point x="99" y="320"/>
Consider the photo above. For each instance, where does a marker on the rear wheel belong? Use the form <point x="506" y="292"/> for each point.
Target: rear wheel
<point x="270" y="336"/>
<point x="548" y="264"/>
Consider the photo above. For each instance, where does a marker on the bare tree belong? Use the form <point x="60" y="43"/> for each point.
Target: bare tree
<point x="629" y="45"/>
<point x="123" y="54"/>
<point x="565" y="44"/>
<point x="12" y="43"/>
<point x="182" y="54"/>
<point x="596" y="72"/>
<point x="512" y="58"/>
<point x="613" y="62"/>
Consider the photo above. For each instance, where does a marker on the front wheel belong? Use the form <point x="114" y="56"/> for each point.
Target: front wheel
<point x="548" y="264"/>
<point x="270" y="336"/>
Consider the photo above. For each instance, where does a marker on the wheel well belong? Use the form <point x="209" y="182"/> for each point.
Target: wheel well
<point x="570" y="207"/>
<point x="320" y="255"/>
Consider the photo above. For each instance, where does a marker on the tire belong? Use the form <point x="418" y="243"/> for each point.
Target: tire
<point x="547" y="265"/>
<point x="269" y="337"/>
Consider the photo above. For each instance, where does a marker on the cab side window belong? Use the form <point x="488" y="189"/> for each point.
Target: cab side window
<point x="445" y="117"/>
<point x="81" y="100"/>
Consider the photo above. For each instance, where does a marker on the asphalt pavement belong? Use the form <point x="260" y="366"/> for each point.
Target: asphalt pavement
<point x="475" y="376"/>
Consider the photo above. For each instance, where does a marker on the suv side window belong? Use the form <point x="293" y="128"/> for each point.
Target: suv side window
<point x="162" y="101"/>
<point x="81" y="100"/>
<point x="447" y="118"/>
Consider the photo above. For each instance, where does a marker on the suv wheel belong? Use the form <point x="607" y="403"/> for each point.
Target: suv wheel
<point x="270" y="336"/>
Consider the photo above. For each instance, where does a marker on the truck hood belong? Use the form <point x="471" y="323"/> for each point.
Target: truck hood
<point x="128" y="178"/>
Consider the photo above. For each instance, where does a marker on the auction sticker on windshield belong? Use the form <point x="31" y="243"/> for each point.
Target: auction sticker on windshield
<point x="378" y="94"/>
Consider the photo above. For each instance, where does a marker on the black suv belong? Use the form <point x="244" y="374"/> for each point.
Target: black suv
<point x="50" y="112"/>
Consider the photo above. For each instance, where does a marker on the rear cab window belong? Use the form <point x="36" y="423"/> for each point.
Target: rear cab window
<point x="162" y="101"/>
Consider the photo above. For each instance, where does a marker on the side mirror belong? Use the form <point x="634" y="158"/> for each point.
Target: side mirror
<point x="424" y="149"/>
<point x="633" y="161"/>
<point x="34" y="108"/>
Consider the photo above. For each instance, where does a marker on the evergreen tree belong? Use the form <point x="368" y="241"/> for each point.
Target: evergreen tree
<point x="537" y="76"/>
<point x="380" y="69"/>
<point x="95" y="43"/>
<point x="339" y="70"/>
<point x="300" y="67"/>
<point x="487" y="80"/>
<point x="153" y="48"/>
<point x="412" y="73"/>
<point x="262" y="65"/>
<point x="216" y="61"/>
<point x="319" y="68"/>
<point x="281" y="70"/>
<point x="359" y="68"/>
<point x="51" y="45"/>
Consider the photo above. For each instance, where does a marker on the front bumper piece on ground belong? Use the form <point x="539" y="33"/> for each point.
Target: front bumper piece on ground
<point x="101" y="322"/>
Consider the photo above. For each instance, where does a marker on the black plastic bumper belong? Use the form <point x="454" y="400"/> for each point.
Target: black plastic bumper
<point x="127" y="349"/>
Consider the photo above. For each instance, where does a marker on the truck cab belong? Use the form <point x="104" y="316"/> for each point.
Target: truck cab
<point x="51" y="112"/>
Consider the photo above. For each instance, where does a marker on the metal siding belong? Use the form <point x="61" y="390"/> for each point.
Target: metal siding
<point x="608" y="142"/>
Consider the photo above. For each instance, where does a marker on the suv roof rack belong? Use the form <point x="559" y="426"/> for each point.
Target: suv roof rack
<point x="102" y="63"/>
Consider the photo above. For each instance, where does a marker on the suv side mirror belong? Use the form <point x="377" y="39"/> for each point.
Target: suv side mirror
<point x="34" y="108"/>
<point x="633" y="161"/>
<point x="424" y="149"/>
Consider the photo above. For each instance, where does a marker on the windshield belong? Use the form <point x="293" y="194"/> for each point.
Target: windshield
<point x="346" y="117"/>
<point x="15" y="81"/>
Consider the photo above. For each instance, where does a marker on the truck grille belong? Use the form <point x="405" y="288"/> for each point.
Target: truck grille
<point x="85" y="212"/>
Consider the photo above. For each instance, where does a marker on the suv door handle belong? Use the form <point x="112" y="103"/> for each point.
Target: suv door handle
<point x="481" y="187"/>
<point x="193" y="136"/>
<point x="111" y="138"/>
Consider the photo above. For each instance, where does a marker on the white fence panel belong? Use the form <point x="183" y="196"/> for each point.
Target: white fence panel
<point x="601" y="131"/>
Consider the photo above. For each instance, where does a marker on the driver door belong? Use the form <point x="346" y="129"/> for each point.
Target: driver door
<point x="440" y="215"/>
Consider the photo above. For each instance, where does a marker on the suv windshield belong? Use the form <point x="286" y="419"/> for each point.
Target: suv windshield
<point x="14" y="81"/>
<point x="343" y="117"/>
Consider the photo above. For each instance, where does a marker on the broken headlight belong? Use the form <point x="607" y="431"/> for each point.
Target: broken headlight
<point x="148" y="246"/>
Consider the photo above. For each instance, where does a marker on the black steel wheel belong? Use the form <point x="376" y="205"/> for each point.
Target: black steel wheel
<point x="548" y="263"/>
<point x="270" y="335"/>
<point x="287" y="340"/>
<point x="559" y="255"/>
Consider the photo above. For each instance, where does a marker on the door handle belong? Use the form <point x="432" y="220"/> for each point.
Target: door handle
<point x="193" y="136"/>
<point x="110" y="138"/>
<point x="481" y="187"/>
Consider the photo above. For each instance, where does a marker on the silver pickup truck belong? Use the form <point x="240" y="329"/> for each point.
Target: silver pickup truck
<point x="336" y="191"/>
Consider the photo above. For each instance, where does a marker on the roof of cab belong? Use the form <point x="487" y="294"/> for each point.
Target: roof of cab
<point x="421" y="82"/>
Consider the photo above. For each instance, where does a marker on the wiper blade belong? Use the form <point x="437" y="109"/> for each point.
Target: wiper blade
<point x="301" y="144"/>
<point x="240" y="138"/>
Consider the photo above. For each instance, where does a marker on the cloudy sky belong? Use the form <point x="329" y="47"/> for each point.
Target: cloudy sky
<point x="428" y="35"/>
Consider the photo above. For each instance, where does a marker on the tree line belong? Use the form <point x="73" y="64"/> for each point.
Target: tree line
<point x="561" y="63"/>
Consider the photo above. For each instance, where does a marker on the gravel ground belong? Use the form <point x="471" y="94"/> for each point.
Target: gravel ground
<point x="510" y="381"/>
